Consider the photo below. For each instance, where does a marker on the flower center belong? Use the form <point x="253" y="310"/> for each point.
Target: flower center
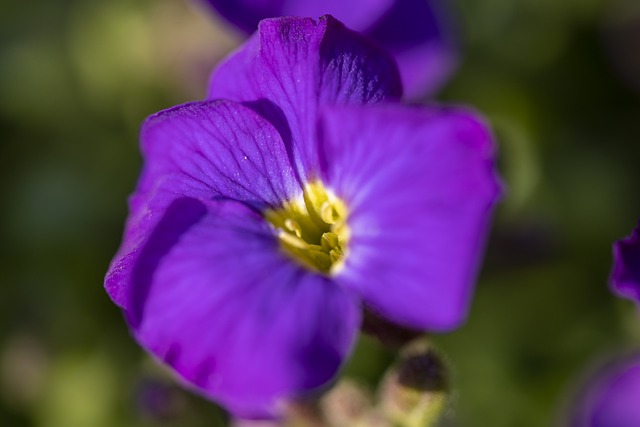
<point x="313" y="229"/>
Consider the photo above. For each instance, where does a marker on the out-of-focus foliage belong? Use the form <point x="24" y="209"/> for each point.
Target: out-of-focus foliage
<point x="559" y="80"/>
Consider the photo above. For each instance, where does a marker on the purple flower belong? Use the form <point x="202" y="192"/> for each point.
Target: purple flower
<point x="264" y="219"/>
<point x="625" y="277"/>
<point x="612" y="399"/>
<point x="417" y="32"/>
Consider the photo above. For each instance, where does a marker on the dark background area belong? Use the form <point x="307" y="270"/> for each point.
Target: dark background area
<point x="559" y="81"/>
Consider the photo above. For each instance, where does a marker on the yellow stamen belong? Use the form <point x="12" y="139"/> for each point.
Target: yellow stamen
<point x="313" y="229"/>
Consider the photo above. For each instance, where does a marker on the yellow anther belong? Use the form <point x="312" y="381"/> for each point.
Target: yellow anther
<point x="327" y="213"/>
<point x="292" y="240"/>
<point x="313" y="228"/>
<point x="292" y="225"/>
<point x="329" y="241"/>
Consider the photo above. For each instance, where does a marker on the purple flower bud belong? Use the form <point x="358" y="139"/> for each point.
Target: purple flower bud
<point x="415" y="390"/>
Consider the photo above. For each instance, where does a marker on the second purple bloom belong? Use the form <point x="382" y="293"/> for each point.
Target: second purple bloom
<point x="418" y="33"/>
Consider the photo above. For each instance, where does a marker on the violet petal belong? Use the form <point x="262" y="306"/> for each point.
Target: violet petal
<point x="231" y="314"/>
<point x="419" y="185"/>
<point x="625" y="277"/>
<point x="293" y="65"/>
<point x="202" y="150"/>
<point x="611" y="400"/>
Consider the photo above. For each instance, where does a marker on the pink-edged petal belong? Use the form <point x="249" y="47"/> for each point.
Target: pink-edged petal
<point x="291" y="66"/>
<point x="213" y="296"/>
<point x="625" y="277"/>
<point x="245" y="14"/>
<point x="203" y="150"/>
<point x="419" y="185"/>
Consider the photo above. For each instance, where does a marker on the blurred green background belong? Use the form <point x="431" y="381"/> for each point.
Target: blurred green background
<point x="559" y="80"/>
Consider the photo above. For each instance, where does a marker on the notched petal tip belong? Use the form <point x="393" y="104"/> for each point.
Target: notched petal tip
<point x="285" y="26"/>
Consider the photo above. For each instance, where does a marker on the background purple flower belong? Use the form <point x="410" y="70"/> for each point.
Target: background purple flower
<point x="417" y="32"/>
<point x="625" y="277"/>
<point x="612" y="398"/>
<point x="202" y="276"/>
